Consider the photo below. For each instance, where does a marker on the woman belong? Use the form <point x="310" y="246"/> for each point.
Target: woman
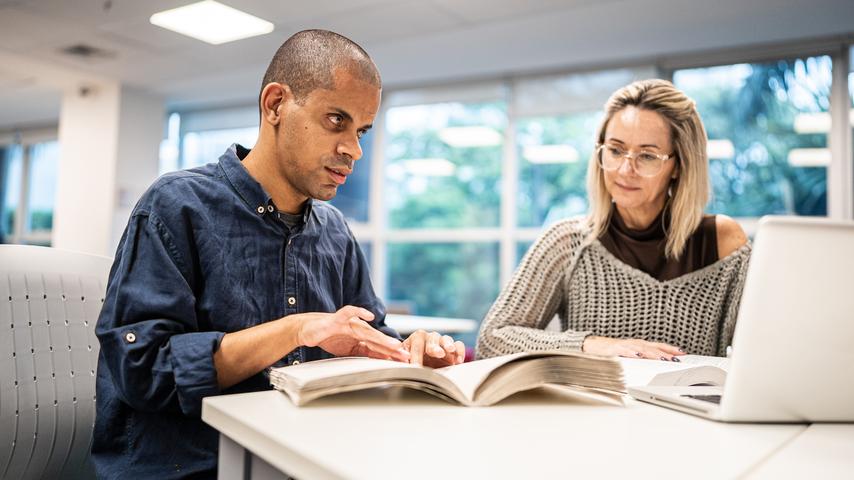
<point x="645" y="274"/>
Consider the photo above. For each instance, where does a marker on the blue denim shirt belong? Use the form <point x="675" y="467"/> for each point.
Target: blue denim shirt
<point x="204" y="254"/>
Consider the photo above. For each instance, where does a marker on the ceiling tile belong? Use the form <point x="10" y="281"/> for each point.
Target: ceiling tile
<point x="482" y="11"/>
<point x="387" y="22"/>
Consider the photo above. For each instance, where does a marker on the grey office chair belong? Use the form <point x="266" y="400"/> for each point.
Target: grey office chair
<point x="49" y="302"/>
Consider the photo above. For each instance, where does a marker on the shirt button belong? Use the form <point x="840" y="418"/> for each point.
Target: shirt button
<point x="260" y="209"/>
<point x="270" y="208"/>
<point x="292" y="301"/>
<point x="130" y="337"/>
<point x="295" y="362"/>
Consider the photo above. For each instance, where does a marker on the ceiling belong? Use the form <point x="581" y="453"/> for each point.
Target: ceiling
<point x="414" y="42"/>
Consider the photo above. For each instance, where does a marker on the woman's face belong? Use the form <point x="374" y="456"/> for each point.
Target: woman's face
<point x="635" y="130"/>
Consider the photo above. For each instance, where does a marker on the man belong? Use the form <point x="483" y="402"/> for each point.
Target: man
<point x="227" y="269"/>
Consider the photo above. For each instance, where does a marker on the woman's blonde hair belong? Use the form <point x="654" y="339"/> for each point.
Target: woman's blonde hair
<point x="689" y="191"/>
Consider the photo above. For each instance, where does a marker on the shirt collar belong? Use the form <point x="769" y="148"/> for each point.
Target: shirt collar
<point x="252" y="193"/>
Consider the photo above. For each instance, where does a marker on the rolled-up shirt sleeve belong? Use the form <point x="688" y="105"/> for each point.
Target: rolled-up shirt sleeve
<point x="159" y="357"/>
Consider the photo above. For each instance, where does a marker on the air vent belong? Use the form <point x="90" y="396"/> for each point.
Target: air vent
<point x="87" y="52"/>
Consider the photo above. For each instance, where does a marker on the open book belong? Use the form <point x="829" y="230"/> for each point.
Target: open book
<point x="482" y="382"/>
<point x="690" y="370"/>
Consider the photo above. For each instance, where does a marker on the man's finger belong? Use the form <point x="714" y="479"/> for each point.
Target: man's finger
<point x="376" y="340"/>
<point x="461" y="351"/>
<point x="416" y="347"/>
<point x="433" y="348"/>
<point x="448" y="345"/>
<point x="351" y="311"/>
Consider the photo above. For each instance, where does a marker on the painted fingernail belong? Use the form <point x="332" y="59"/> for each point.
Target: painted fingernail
<point x="683" y="351"/>
<point x="676" y="359"/>
<point x="638" y="354"/>
<point x="663" y="358"/>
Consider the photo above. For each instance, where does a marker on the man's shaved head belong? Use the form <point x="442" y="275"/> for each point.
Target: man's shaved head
<point x="307" y="61"/>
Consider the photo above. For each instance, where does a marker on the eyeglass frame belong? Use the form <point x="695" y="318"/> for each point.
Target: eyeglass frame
<point x="632" y="158"/>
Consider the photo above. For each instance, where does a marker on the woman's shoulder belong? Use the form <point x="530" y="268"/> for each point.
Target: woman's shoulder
<point x="730" y="235"/>
<point x="573" y="229"/>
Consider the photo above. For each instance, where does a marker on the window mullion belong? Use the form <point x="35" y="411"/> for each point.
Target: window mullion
<point x="840" y="174"/>
<point x="376" y="210"/>
<point x="509" y="193"/>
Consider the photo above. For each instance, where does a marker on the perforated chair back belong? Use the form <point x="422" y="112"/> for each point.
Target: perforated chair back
<point x="49" y="303"/>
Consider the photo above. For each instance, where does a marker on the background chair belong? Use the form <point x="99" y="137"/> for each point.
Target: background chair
<point x="49" y="304"/>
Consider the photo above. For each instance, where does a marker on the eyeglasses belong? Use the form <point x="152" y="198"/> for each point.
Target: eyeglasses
<point x="644" y="162"/>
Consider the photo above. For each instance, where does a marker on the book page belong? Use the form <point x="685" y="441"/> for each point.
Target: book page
<point x="640" y="372"/>
<point x="336" y="367"/>
<point x="468" y="376"/>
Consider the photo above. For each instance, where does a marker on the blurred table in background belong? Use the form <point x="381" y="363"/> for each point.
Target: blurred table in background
<point x="406" y="324"/>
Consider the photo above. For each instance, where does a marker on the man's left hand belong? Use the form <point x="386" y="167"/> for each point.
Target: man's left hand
<point x="434" y="350"/>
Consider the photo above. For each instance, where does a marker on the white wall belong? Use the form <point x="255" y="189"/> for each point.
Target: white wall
<point x="141" y="126"/>
<point x="109" y="138"/>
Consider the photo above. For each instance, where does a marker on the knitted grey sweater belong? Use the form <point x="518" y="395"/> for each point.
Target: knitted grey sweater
<point x="572" y="275"/>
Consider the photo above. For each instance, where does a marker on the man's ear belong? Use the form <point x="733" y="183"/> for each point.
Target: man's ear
<point x="274" y="96"/>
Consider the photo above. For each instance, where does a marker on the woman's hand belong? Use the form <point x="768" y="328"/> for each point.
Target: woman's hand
<point x="631" y="347"/>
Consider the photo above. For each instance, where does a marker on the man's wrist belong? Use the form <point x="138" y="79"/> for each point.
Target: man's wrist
<point x="293" y="326"/>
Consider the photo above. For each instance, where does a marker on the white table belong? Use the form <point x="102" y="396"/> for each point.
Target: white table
<point x="406" y="324"/>
<point x="404" y="434"/>
<point x="824" y="450"/>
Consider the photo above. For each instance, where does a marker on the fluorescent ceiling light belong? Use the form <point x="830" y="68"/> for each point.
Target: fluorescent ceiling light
<point x="429" y="167"/>
<point x="720" y="149"/>
<point x="211" y="22"/>
<point x="550" y="154"/>
<point x="809" y="157"/>
<point x="470" y="136"/>
<point x="816" y="122"/>
<point x="812" y="122"/>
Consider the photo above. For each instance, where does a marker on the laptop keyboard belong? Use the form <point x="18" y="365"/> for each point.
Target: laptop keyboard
<point x="706" y="398"/>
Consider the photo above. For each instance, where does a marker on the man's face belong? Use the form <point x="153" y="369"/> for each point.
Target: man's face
<point x="319" y="140"/>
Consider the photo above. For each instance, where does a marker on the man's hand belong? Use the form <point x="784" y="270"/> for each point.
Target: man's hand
<point x="347" y="333"/>
<point x="434" y="350"/>
<point x="631" y="347"/>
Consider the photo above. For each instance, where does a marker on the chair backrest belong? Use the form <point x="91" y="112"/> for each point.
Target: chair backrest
<point x="49" y="303"/>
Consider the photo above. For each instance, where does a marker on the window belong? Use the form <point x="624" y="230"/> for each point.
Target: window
<point x="553" y="154"/>
<point x="443" y="164"/>
<point x="199" y="148"/>
<point x="768" y="125"/>
<point x="28" y="175"/>
<point x="457" y="182"/>
<point x="848" y="203"/>
<point x="11" y="173"/>
<point x="442" y="155"/>
<point x="443" y="279"/>
<point x="197" y="138"/>
<point x="557" y="117"/>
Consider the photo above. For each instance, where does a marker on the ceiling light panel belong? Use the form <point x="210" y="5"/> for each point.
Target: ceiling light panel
<point x="211" y="22"/>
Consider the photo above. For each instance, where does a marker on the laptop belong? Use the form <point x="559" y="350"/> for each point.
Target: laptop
<point x="793" y="347"/>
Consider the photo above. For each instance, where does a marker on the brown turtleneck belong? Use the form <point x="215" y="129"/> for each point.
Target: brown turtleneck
<point x="644" y="249"/>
